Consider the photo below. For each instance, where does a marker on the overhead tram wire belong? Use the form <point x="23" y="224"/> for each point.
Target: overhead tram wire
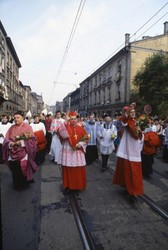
<point x="150" y="19"/>
<point x="133" y="35"/>
<point x="70" y="39"/>
<point x="124" y="42"/>
<point x="66" y="51"/>
<point x="73" y="30"/>
<point x="152" y="25"/>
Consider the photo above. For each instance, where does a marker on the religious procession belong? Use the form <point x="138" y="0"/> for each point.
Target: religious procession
<point x="83" y="125"/>
<point x="73" y="144"/>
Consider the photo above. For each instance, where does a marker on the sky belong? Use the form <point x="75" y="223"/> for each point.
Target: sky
<point x="40" y="31"/>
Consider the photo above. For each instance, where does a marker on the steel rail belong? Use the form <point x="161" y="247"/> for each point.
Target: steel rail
<point x="87" y="240"/>
<point x="153" y="205"/>
<point x="157" y="172"/>
<point x="147" y="200"/>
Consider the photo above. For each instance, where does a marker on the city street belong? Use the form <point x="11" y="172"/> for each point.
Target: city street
<point x="40" y="217"/>
<point x="83" y="80"/>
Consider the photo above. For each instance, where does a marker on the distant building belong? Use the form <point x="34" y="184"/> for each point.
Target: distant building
<point x="34" y="104"/>
<point x="27" y="97"/>
<point x="14" y="95"/>
<point x="9" y="74"/>
<point x="51" y="108"/>
<point x="75" y="99"/>
<point x="67" y="103"/>
<point x="59" y="106"/>
<point x="108" y="89"/>
<point x="40" y="102"/>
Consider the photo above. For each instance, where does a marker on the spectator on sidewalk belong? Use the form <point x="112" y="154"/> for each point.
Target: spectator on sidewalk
<point x="165" y="150"/>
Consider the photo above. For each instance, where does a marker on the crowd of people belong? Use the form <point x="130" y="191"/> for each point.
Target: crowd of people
<point x="75" y="142"/>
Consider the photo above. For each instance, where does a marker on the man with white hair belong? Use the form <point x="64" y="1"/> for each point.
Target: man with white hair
<point x="107" y="134"/>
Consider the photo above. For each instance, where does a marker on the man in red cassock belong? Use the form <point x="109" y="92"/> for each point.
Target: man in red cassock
<point x="128" y="173"/>
<point x="73" y="154"/>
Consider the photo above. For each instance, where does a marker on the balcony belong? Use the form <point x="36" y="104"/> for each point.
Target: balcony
<point x="3" y="93"/>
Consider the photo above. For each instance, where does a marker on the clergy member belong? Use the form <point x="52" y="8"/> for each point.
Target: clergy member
<point x="107" y="133"/>
<point x="19" y="150"/>
<point x="75" y="140"/>
<point x="128" y="173"/>
<point x="91" y="128"/>
<point x="40" y="133"/>
<point x="4" y="126"/>
<point x="56" y="145"/>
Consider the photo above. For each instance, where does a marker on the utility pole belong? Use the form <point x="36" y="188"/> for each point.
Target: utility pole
<point x="69" y="106"/>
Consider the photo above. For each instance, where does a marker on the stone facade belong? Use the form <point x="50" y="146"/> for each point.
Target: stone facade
<point x="40" y="103"/>
<point x="67" y="103"/>
<point x="108" y="89"/>
<point x="13" y="94"/>
<point x="59" y="106"/>
<point x="75" y="97"/>
<point x="9" y="73"/>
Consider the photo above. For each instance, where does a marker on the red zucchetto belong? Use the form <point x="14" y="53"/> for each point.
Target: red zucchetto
<point x="72" y="113"/>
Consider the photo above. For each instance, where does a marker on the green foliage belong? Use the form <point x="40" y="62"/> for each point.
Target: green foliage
<point x="152" y="82"/>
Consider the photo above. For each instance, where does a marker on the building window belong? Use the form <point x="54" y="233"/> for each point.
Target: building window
<point x="99" y="79"/>
<point x="95" y="81"/>
<point x="109" y="72"/>
<point x="7" y="74"/>
<point x="7" y="59"/>
<point x="104" y="75"/>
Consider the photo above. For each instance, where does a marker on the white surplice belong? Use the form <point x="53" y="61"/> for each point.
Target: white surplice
<point x="105" y="138"/>
<point x="56" y="146"/>
<point x="3" y="130"/>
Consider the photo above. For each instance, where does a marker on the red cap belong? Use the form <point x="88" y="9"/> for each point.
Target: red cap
<point x="126" y="109"/>
<point x="72" y="113"/>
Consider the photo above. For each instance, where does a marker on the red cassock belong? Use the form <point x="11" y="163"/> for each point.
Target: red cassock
<point x="41" y="140"/>
<point x="151" y="142"/>
<point x="73" y="161"/>
<point x="128" y="173"/>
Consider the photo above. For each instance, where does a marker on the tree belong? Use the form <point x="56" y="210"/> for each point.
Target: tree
<point x="151" y="81"/>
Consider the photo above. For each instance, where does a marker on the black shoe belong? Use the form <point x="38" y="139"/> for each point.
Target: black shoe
<point x="66" y="191"/>
<point x="126" y="192"/>
<point x="132" y="199"/>
<point x="147" y="176"/>
<point x="32" y="181"/>
<point x="103" y="169"/>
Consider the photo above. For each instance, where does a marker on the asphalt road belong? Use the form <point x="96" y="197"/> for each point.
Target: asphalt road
<point x="40" y="216"/>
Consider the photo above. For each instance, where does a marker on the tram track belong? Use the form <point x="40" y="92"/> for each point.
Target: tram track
<point x="85" y="235"/>
<point x="151" y="203"/>
<point x="160" y="174"/>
